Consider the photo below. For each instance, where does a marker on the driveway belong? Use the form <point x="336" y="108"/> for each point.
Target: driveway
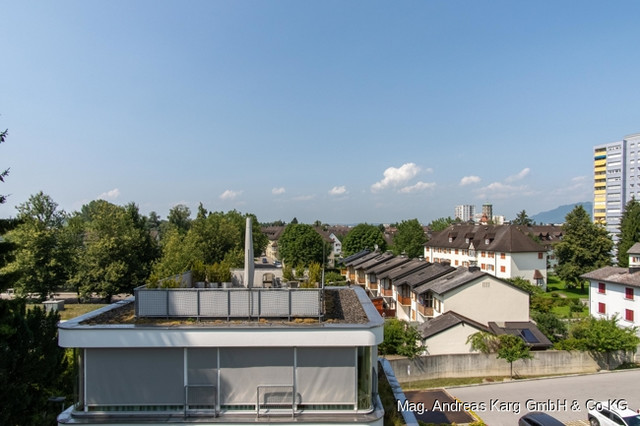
<point x="566" y="398"/>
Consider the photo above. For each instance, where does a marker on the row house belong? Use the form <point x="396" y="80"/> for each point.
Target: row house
<point x="615" y="291"/>
<point x="504" y="251"/>
<point x="448" y="303"/>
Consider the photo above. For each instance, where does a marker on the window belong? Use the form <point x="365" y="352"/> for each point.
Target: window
<point x="540" y="255"/>
<point x="502" y="255"/>
<point x="483" y="266"/>
<point x="490" y="254"/>
<point x="602" y="288"/>
<point x="503" y="269"/>
<point x="456" y="262"/>
<point x="628" y="314"/>
<point x="602" y="308"/>
<point x="483" y="254"/>
<point x="628" y="293"/>
<point x="456" y="251"/>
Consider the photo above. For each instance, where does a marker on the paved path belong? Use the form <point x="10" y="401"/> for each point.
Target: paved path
<point x="565" y="398"/>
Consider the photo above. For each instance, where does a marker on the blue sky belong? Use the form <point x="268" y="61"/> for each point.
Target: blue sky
<point x="339" y="111"/>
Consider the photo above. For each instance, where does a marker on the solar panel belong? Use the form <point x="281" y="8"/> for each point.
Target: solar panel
<point x="528" y="336"/>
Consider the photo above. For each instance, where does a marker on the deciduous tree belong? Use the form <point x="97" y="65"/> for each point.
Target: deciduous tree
<point x="42" y="253"/>
<point x="363" y="236"/>
<point x="440" y="224"/>
<point x="629" y="231"/>
<point x="300" y="244"/>
<point x="585" y="246"/>
<point x="512" y="348"/>
<point x="118" y="251"/>
<point x="400" y="338"/>
<point x="409" y="239"/>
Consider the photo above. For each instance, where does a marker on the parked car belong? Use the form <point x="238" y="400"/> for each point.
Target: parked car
<point x="605" y="414"/>
<point x="537" y="418"/>
<point x="277" y="264"/>
<point x="264" y="260"/>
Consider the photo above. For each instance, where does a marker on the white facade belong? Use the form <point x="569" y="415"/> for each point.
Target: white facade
<point x="500" y="264"/>
<point x="607" y="299"/>
<point x="453" y="340"/>
<point x="225" y="372"/>
<point x="465" y="212"/>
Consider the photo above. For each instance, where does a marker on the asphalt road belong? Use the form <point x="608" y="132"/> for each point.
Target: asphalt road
<point x="565" y="398"/>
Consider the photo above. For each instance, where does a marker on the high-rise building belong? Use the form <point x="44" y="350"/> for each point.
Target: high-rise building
<point x="616" y="179"/>
<point x="487" y="210"/>
<point x="465" y="212"/>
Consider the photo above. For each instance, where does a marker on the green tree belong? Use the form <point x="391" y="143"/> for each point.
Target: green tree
<point x="118" y="251"/>
<point x="512" y="348"/>
<point x="629" y="231"/>
<point x="440" y="224"/>
<point x="522" y="219"/>
<point x="33" y="367"/>
<point x="400" y="338"/>
<point x="409" y="239"/>
<point x="585" y="246"/>
<point x="363" y="236"/>
<point x="484" y="342"/>
<point x="300" y="244"/>
<point x="42" y="255"/>
<point x="550" y="325"/>
<point x="601" y="335"/>
<point x="5" y="172"/>
<point x="525" y="285"/>
<point x="180" y="217"/>
<point x="315" y="273"/>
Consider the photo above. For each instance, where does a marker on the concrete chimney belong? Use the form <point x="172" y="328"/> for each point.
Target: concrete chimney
<point x="248" y="255"/>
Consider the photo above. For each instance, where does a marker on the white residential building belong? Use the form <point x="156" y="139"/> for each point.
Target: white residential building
<point x="500" y="250"/>
<point x="615" y="291"/>
<point x="465" y="212"/>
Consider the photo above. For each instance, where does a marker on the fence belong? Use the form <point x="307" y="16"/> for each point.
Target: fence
<point x="228" y="302"/>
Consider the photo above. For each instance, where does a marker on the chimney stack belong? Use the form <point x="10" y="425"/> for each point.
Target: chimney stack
<point x="248" y="255"/>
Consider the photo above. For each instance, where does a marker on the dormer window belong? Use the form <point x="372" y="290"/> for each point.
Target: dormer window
<point x="487" y="241"/>
<point x="466" y="240"/>
<point x="450" y="239"/>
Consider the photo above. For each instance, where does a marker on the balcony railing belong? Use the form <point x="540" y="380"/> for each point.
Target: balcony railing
<point x="200" y="399"/>
<point x="228" y="302"/>
<point x="404" y="301"/>
<point x="373" y="286"/>
<point x="387" y="292"/>
<point x="425" y="311"/>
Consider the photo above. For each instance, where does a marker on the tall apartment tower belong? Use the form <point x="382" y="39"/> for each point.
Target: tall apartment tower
<point x="616" y="179"/>
<point x="487" y="210"/>
<point x="465" y="212"/>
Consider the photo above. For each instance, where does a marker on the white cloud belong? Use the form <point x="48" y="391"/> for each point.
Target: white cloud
<point x="499" y="190"/>
<point x="338" y="190"/>
<point x="110" y="195"/>
<point x="278" y="191"/>
<point x="524" y="172"/>
<point x="229" y="194"/>
<point x="396" y="176"/>
<point x="467" y="180"/>
<point x="420" y="186"/>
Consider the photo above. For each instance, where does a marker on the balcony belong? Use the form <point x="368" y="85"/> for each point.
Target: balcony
<point x="425" y="311"/>
<point x="373" y="286"/>
<point x="404" y="301"/>
<point x="387" y="292"/>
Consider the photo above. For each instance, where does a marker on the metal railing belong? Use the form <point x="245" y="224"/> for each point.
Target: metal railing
<point x="201" y="399"/>
<point x="228" y="302"/>
<point x="275" y="399"/>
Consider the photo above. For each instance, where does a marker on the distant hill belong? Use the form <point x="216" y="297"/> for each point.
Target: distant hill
<point x="558" y="214"/>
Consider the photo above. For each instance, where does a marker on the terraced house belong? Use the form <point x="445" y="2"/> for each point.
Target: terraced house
<point x="504" y="251"/>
